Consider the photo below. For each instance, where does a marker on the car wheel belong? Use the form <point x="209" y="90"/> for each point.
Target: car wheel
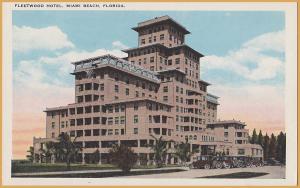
<point x="207" y="166"/>
<point x="218" y="165"/>
<point x="227" y="166"/>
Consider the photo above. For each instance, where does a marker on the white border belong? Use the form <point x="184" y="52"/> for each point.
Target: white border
<point x="290" y="10"/>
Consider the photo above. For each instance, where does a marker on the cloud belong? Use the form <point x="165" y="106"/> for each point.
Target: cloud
<point x="27" y="38"/>
<point x="274" y="41"/>
<point x="41" y="83"/>
<point x="119" y="45"/>
<point x="64" y="60"/>
<point x="250" y="61"/>
<point x="261" y="106"/>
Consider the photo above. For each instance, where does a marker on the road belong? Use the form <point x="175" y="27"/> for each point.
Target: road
<point x="274" y="172"/>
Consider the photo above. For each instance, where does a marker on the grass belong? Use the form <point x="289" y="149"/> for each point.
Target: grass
<point x="23" y="166"/>
<point x="103" y="174"/>
<point x="238" y="175"/>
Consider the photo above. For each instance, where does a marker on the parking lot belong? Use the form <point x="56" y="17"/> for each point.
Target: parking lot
<point x="273" y="172"/>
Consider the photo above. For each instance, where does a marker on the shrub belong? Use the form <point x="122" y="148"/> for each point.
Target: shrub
<point x="123" y="157"/>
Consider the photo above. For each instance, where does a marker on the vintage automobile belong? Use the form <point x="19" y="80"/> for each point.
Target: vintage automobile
<point x="203" y="161"/>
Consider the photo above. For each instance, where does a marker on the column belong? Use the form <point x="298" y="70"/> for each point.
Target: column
<point x="172" y="160"/>
<point x="52" y="159"/>
<point x="40" y="160"/>
<point x="139" y="159"/>
<point x="148" y="159"/>
<point x="166" y="160"/>
<point x="100" y="162"/>
<point x="83" y="160"/>
<point x="83" y="155"/>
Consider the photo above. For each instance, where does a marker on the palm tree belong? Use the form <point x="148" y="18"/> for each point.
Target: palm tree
<point x="30" y="156"/>
<point x="160" y="150"/>
<point x="48" y="151"/>
<point x="67" y="149"/>
<point x="183" y="151"/>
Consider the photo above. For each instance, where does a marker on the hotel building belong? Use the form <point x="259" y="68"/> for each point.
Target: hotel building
<point x="156" y="90"/>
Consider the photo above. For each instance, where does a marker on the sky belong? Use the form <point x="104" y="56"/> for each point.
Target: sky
<point x="244" y="59"/>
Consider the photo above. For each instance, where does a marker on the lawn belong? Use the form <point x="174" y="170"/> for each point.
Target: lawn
<point x="238" y="175"/>
<point x="24" y="166"/>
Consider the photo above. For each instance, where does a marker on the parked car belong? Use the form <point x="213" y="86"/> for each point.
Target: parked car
<point x="272" y="162"/>
<point x="204" y="161"/>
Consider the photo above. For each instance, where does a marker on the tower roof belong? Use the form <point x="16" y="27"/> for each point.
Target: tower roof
<point x="162" y="19"/>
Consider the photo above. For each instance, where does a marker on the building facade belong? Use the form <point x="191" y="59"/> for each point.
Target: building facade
<point x="155" y="91"/>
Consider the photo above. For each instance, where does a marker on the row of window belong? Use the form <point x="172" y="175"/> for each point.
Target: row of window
<point x="187" y="119"/>
<point x="187" y="128"/>
<point x="97" y="132"/>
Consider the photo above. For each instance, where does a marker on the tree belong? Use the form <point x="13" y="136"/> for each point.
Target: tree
<point x="260" y="138"/>
<point x="123" y="157"/>
<point x="95" y="158"/>
<point x="160" y="150"/>
<point x="272" y="147"/>
<point x="280" y="148"/>
<point x="182" y="151"/>
<point x="254" y="137"/>
<point x="48" y="151"/>
<point x="266" y="145"/>
<point x="30" y="156"/>
<point x="67" y="149"/>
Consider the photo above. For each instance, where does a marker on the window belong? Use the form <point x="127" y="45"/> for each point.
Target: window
<point x="96" y="132"/>
<point x="165" y="98"/>
<point x="88" y="86"/>
<point x="79" y="122"/>
<point x="137" y="94"/>
<point x="87" y="132"/>
<point x="96" y="120"/>
<point x="110" y="109"/>
<point x="177" y="60"/>
<point x="101" y="87"/>
<point x="135" y="131"/>
<point x="96" y="86"/>
<point x="122" y="108"/>
<point x="110" y="132"/>
<point x="96" y="108"/>
<point x="116" y="131"/>
<point x="170" y="62"/>
<point x="150" y="39"/>
<point x="72" y="122"/>
<point x="165" y="89"/>
<point x="117" y="108"/>
<point x="143" y="41"/>
<point x="110" y="121"/>
<point x="152" y="68"/>
<point x="162" y="37"/>
<point x="150" y="119"/>
<point x="151" y="59"/>
<point x="225" y="126"/>
<point x="53" y="135"/>
<point x="53" y="125"/>
<point x="88" y="121"/>
<point x="136" y="106"/>
<point x="241" y="151"/>
<point x="122" y="120"/>
<point x="117" y="120"/>
<point x="225" y="134"/>
<point x="102" y="97"/>
<point x="116" y="89"/>
<point x="135" y="119"/>
<point x="127" y="91"/>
